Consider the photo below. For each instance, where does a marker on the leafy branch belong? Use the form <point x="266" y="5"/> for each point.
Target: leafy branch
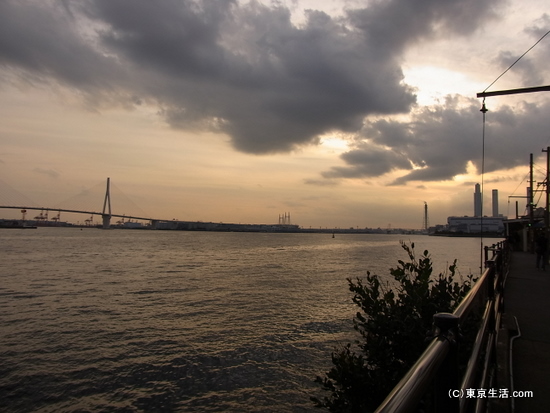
<point x="393" y="323"/>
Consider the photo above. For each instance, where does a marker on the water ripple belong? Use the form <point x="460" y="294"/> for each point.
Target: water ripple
<point x="126" y="321"/>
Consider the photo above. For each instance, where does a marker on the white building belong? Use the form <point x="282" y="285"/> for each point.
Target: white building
<point x="478" y="223"/>
<point x="469" y="225"/>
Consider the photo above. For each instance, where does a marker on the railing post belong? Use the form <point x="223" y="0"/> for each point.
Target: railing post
<point x="447" y="379"/>
<point x="499" y="270"/>
<point x="491" y="265"/>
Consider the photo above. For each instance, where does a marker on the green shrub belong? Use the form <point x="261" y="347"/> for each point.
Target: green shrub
<point x="394" y="322"/>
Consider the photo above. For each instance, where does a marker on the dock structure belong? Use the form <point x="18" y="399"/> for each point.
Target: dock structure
<point x="526" y="299"/>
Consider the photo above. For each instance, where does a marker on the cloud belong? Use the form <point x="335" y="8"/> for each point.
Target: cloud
<point x="321" y="182"/>
<point x="369" y="160"/>
<point x="51" y="173"/>
<point x="439" y="142"/>
<point x="530" y="73"/>
<point x="531" y="66"/>
<point x="390" y="26"/>
<point x="245" y="70"/>
<point x="42" y="38"/>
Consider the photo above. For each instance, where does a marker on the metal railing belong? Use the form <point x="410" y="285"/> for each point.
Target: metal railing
<point x="438" y="367"/>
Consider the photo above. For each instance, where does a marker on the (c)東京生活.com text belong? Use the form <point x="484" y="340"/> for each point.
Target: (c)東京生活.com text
<point x="488" y="393"/>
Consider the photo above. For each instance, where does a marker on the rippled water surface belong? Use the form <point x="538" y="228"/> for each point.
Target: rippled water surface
<point x="155" y="321"/>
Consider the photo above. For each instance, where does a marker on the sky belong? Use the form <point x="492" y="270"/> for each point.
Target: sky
<point x="343" y="113"/>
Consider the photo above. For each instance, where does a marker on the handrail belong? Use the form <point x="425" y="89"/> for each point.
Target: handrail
<point x="469" y="375"/>
<point x="409" y="391"/>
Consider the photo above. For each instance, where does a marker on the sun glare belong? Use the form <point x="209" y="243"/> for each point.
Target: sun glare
<point x="336" y="144"/>
<point x="470" y="175"/>
<point x="434" y="83"/>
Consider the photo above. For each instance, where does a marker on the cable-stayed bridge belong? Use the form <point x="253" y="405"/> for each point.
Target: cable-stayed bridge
<point x="12" y="199"/>
<point x="24" y="205"/>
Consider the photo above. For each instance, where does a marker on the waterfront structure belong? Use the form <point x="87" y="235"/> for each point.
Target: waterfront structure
<point x="284" y="219"/>
<point x="475" y="225"/>
<point x="478" y="223"/>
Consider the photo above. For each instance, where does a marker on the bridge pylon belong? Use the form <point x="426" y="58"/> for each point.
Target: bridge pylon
<point x="106" y="214"/>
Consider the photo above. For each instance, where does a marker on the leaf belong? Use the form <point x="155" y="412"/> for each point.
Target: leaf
<point x="393" y="325"/>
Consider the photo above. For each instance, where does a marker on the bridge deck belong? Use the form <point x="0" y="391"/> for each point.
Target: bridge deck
<point x="527" y="297"/>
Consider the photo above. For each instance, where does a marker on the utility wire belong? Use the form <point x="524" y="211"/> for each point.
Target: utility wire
<point x="521" y="183"/>
<point x="484" y="110"/>
<point x="517" y="60"/>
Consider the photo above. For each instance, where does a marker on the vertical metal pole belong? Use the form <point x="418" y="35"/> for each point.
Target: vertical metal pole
<point x="546" y="216"/>
<point x="531" y="209"/>
<point x="447" y="378"/>
<point x="491" y="265"/>
<point x="547" y="211"/>
<point x="531" y="189"/>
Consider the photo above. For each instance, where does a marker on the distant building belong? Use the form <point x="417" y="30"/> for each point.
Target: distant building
<point x="473" y="225"/>
<point x="478" y="223"/>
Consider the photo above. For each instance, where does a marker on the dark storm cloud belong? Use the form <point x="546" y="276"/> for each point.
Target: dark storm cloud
<point x="532" y="65"/>
<point x="178" y="38"/>
<point x="530" y="73"/>
<point x="243" y="69"/>
<point x="43" y="39"/>
<point x="439" y="142"/>
<point x="389" y="26"/>
<point x="369" y="160"/>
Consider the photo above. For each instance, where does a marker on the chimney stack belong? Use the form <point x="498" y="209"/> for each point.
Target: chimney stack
<point x="495" y="203"/>
<point x="477" y="201"/>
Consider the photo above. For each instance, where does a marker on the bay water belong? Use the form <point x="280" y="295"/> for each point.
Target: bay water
<point x="163" y="321"/>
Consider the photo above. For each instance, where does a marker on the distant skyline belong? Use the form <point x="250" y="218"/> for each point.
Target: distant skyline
<point x="344" y="113"/>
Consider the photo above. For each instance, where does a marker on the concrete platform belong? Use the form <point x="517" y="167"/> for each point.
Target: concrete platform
<point x="527" y="297"/>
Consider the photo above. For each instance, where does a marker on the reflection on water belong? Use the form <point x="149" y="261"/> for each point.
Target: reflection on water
<point x="151" y="321"/>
